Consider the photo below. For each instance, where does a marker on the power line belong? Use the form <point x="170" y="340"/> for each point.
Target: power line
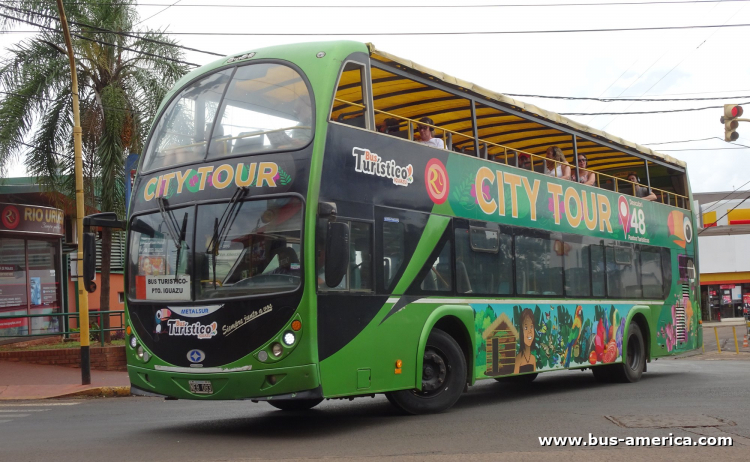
<point x="517" y="5"/>
<point x="684" y="141"/>
<point x="158" y="13"/>
<point x="123" y="34"/>
<point x="41" y="98"/>
<point x="717" y="203"/>
<point x="100" y="41"/>
<point x="610" y="100"/>
<point x="508" y="32"/>
<point x="643" y="112"/>
<point x="717" y="220"/>
<point x="700" y="149"/>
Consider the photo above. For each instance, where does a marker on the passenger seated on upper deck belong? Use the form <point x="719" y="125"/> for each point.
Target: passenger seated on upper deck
<point x="426" y="134"/>
<point x="524" y="161"/>
<point x="584" y="176"/>
<point x="390" y="125"/>
<point x="559" y="169"/>
<point x="640" y="191"/>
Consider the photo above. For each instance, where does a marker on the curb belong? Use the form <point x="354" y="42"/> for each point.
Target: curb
<point x="100" y="392"/>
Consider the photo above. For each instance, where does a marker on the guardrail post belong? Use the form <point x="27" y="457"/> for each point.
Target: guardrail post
<point x="716" y="333"/>
<point x="736" y="346"/>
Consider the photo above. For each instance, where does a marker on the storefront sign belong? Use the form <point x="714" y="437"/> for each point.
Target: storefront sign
<point x="31" y="219"/>
<point x="726" y="286"/>
<point x="746" y="299"/>
<point x="726" y="299"/>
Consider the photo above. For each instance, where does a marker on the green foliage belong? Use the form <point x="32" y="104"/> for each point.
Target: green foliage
<point x="120" y="85"/>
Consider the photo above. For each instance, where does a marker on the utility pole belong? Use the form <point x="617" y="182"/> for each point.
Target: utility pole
<point x="83" y="299"/>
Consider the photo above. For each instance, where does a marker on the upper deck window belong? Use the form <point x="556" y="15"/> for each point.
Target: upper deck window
<point x="259" y="108"/>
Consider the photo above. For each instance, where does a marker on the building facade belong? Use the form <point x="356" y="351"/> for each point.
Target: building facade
<point x="724" y="253"/>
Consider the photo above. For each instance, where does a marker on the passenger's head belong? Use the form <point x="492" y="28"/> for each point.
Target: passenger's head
<point x="424" y="128"/>
<point x="582" y="161"/>
<point x="524" y="161"/>
<point x="555" y="153"/>
<point x="633" y="177"/>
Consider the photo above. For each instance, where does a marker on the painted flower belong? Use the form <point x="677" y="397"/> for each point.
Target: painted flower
<point x="485" y="193"/>
<point x="560" y="205"/>
<point x="276" y="178"/>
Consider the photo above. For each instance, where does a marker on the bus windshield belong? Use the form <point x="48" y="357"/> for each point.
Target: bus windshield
<point x="248" y="248"/>
<point x="257" y="108"/>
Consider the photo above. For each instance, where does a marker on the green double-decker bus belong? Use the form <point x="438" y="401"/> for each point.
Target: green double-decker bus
<point x="328" y="220"/>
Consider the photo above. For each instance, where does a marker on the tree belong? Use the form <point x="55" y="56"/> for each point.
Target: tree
<point x="122" y="77"/>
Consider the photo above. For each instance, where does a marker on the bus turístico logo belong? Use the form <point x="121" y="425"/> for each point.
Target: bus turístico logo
<point x="372" y="164"/>
<point x="436" y="181"/>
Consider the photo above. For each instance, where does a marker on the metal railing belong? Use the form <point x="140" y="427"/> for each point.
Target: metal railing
<point x="667" y="197"/>
<point x="95" y="329"/>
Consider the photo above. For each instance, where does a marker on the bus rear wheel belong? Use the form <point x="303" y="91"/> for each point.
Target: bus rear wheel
<point x="296" y="404"/>
<point x="633" y="363"/>
<point x="443" y="378"/>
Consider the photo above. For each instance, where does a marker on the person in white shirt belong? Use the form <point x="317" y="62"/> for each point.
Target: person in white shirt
<point x="426" y="134"/>
<point x="559" y="169"/>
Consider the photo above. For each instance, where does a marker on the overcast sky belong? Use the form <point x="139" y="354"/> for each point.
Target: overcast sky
<point x="682" y="63"/>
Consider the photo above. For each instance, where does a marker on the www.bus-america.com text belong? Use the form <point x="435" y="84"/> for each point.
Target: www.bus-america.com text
<point x="638" y="441"/>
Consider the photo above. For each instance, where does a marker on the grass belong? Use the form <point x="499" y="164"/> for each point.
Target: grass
<point x="58" y="346"/>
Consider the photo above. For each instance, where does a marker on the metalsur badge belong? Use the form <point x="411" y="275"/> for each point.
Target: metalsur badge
<point x="196" y="356"/>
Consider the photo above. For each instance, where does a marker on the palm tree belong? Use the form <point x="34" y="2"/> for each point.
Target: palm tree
<point x="122" y="75"/>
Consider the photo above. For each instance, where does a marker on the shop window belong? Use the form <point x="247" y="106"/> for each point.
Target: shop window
<point x="44" y="291"/>
<point x="13" y="291"/>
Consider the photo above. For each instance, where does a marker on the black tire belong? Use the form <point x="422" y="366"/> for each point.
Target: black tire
<point x="633" y="363"/>
<point x="296" y="404"/>
<point x="443" y="378"/>
<point x="518" y="379"/>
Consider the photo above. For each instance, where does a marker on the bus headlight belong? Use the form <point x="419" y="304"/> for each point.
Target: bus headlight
<point x="146" y="356"/>
<point x="139" y="352"/>
<point x="277" y="349"/>
<point x="289" y="338"/>
<point x="133" y="341"/>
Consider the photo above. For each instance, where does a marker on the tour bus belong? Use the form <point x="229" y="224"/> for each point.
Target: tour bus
<point x="296" y="233"/>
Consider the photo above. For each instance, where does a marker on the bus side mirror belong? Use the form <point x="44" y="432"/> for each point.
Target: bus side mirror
<point x="336" y="253"/>
<point x="89" y="261"/>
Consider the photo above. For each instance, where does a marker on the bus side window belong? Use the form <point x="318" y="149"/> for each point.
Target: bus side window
<point x="439" y="277"/>
<point x="539" y="263"/>
<point x="360" y="257"/>
<point x="652" y="279"/>
<point x="349" y="106"/>
<point x="484" y="253"/>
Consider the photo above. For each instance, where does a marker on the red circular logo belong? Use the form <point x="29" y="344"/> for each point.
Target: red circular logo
<point x="11" y="218"/>
<point x="436" y="181"/>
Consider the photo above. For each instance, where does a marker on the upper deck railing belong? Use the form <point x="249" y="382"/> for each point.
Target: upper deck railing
<point x="666" y="197"/>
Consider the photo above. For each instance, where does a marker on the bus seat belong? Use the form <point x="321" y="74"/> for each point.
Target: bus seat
<point x="430" y="281"/>
<point x="247" y="144"/>
<point x="462" y="279"/>
<point x="287" y="260"/>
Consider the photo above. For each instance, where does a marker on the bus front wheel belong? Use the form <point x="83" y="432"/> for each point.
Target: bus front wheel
<point x="443" y="378"/>
<point x="296" y="404"/>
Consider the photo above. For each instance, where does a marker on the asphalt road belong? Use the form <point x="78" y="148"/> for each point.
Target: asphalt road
<point x="491" y="422"/>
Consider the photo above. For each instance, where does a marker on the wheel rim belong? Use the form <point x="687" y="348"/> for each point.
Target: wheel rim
<point x="634" y="354"/>
<point x="435" y="371"/>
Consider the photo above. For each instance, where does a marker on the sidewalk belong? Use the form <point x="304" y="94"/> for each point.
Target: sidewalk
<point x="34" y="381"/>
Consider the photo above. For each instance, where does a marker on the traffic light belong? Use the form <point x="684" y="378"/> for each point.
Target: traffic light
<point x="731" y="113"/>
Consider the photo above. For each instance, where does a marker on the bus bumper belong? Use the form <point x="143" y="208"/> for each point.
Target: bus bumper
<point x="259" y="384"/>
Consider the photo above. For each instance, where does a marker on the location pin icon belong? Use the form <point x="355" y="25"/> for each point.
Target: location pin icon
<point x="624" y="210"/>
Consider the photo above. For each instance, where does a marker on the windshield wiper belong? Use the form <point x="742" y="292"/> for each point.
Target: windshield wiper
<point x="169" y="220"/>
<point x="177" y="233"/>
<point x="183" y="232"/>
<point x="224" y="224"/>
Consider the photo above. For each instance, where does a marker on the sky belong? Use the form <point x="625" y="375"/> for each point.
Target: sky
<point x="676" y="63"/>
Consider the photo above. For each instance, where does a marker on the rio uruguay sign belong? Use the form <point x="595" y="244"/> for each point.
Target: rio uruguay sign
<point x="31" y="219"/>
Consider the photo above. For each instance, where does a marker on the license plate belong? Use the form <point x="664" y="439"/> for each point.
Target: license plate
<point x="201" y="387"/>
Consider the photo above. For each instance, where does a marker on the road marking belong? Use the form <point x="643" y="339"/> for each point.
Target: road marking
<point x="25" y="410"/>
<point x="38" y="405"/>
<point x="16" y="415"/>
